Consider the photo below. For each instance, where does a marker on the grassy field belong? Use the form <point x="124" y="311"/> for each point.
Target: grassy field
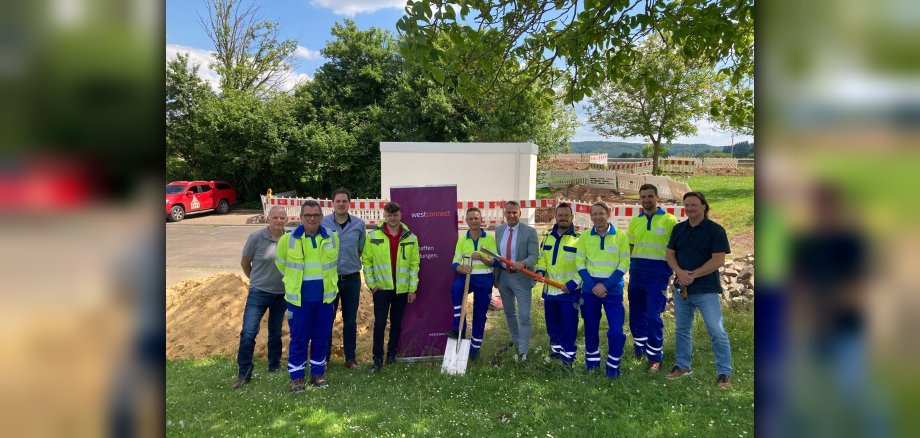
<point x="541" y="399"/>
<point x="731" y="200"/>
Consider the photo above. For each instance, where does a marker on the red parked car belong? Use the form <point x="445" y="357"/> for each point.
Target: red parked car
<point x="185" y="197"/>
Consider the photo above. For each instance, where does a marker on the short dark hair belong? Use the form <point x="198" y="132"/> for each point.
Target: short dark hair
<point x="648" y="186"/>
<point x="564" y="205"/>
<point x="391" y="207"/>
<point x="702" y="199"/>
<point x="473" y="210"/>
<point x="602" y="205"/>
<point x="341" y="191"/>
<point x="309" y="203"/>
<point x="507" y="203"/>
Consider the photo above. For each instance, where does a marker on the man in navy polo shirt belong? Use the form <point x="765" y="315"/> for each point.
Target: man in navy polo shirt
<point x="696" y="250"/>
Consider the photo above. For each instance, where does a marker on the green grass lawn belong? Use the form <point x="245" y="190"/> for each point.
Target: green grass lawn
<point x="541" y="400"/>
<point x="731" y="199"/>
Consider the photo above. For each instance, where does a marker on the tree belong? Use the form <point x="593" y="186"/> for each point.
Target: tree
<point x="368" y="90"/>
<point x="740" y="150"/>
<point x="253" y="142"/>
<point x="648" y="151"/>
<point x="249" y="56"/>
<point x="729" y="110"/>
<point x="185" y="95"/>
<point x="594" y="44"/>
<point x="658" y="98"/>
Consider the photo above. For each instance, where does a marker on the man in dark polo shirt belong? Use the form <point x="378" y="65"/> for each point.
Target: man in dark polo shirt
<point x="696" y="250"/>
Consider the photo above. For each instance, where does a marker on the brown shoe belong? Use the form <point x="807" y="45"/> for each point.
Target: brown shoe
<point x="297" y="385"/>
<point x="352" y="365"/>
<point x="725" y="381"/>
<point x="319" y="381"/>
<point x="240" y="381"/>
<point x="678" y="372"/>
<point x="653" y="367"/>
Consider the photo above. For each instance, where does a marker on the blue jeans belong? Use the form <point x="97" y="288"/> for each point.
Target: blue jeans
<point x="350" y="296"/>
<point x="711" y="310"/>
<point x="257" y="303"/>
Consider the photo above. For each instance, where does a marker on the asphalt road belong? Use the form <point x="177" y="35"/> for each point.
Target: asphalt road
<point x="194" y="251"/>
<point x="205" y="244"/>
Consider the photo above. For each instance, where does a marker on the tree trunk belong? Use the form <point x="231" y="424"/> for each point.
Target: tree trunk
<point x="656" y="151"/>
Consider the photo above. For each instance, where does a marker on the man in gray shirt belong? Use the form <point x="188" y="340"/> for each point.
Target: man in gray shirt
<point x="351" y="241"/>
<point x="266" y="292"/>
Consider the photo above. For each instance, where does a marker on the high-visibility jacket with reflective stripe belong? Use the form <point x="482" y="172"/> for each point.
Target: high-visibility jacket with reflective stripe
<point x="557" y="259"/>
<point x="602" y="260"/>
<point x="649" y="237"/>
<point x="466" y="246"/>
<point x="377" y="266"/>
<point x="299" y="260"/>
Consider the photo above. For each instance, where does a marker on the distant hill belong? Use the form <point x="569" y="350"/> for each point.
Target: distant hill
<point x="616" y="148"/>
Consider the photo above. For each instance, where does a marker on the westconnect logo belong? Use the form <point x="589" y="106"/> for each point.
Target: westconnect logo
<point x="426" y="214"/>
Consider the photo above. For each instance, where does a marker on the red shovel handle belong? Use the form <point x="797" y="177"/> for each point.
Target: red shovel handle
<point x="526" y="272"/>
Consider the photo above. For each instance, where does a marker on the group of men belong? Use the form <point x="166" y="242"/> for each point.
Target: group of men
<point x="309" y="271"/>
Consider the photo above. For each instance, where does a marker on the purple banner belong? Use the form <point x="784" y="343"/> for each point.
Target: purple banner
<point x="431" y="213"/>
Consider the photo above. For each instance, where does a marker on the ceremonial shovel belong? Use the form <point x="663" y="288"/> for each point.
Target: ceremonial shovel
<point x="526" y="272"/>
<point x="457" y="351"/>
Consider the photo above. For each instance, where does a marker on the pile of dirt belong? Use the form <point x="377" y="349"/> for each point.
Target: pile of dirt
<point x="204" y="318"/>
<point x="583" y="193"/>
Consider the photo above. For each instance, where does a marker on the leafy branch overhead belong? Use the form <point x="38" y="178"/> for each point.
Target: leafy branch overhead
<point x="496" y="44"/>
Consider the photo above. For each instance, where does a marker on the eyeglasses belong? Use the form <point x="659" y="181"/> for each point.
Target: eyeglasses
<point x="313" y="216"/>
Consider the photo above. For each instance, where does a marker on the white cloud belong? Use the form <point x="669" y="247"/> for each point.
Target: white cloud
<point x="293" y="79"/>
<point x="354" y="7"/>
<point x="305" y="53"/>
<point x="202" y="58"/>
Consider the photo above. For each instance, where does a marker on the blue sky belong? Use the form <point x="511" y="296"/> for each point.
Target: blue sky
<point x="309" y="22"/>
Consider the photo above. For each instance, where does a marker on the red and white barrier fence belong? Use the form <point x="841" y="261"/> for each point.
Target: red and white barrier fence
<point x="580" y="158"/>
<point x="371" y="210"/>
<point x="679" y="165"/>
<point x="643" y="167"/>
<point x="620" y="214"/>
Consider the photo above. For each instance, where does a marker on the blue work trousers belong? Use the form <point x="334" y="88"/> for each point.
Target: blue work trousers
<point x="591" y="313"/>
<point x="310" y="325"/>
<point x="561" y="312"/>
<point x="647" y="299"/>
<point x="481" y="288"/>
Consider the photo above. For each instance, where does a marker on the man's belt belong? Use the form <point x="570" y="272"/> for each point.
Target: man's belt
<point x="349" y="276"/>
